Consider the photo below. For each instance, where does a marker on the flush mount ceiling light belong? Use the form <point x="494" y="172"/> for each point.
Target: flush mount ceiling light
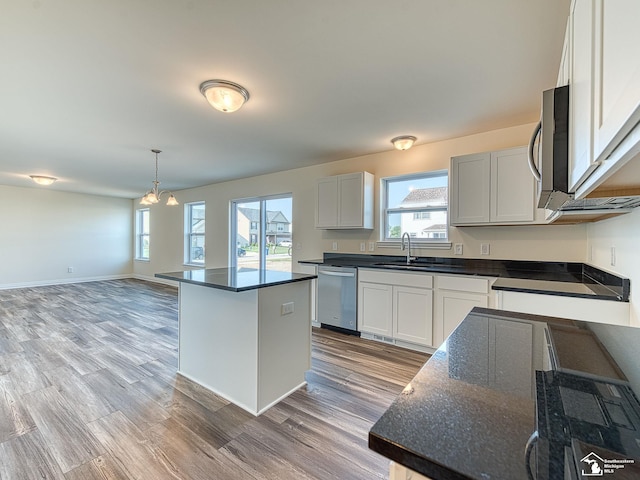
<point x="224" y="95"/>
<point x="153" y="195"/>
<point x="42" y="180"/>
<point x="403" y="142"/>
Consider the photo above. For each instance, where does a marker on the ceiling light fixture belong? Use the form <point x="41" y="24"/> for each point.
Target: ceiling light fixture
<point x="42" y="180"/>
<point x="224" y="95"/>
<point x="403" y="142"/>
<point x="153" y="195"/>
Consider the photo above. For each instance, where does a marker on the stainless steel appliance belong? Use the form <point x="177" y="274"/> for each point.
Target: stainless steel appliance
<point x="552" y="168"/>
<point x="337" y="298"/>
<point x="552" y="171"/>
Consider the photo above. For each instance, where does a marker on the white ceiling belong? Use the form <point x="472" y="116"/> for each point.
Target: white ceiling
<point x="88" y="87"/>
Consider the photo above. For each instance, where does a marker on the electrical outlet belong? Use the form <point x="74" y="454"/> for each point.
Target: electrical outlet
<point x="69" y="269"/>
<point x="286" y="308"/>
<point x="484" y="249"/>
<point x="362" y="246"/>
<point x="372" y="246"/>
<point x="613" y="256"/>
<point x="334" y="246"/>
<point x="457" y="249"/>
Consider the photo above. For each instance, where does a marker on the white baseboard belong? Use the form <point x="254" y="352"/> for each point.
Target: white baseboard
<point x="62" y="281"/>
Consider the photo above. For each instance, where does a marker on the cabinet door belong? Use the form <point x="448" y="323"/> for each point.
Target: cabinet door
<point x="470" y="189"/>
<point x="512" y="187"/>
<point x="412" y="315"/>
<point x="350" y="193"/>
<point x="375" y="308"/>
<point x="327" y="202"/>
<point x="617" y="73"/>
<point x="581" y="93"/>
<point x="451" y="308"/>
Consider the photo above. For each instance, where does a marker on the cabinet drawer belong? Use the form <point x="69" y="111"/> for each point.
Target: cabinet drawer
<point x="419" y="280"/>
<point x="464" y="284"/>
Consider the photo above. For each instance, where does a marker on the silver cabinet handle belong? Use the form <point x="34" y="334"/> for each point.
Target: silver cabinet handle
<point x="336" y="274"/>
<point x="532" y="163"/>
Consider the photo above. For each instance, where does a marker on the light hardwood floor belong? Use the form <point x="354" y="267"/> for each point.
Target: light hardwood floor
<point x="89" y="390"/>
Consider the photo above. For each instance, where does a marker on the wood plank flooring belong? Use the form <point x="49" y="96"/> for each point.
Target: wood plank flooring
<point x="89" y="390"/>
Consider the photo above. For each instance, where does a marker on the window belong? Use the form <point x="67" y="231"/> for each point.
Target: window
<point x="194" y="233"/>
<point x="417" y="204"/>
<point x="142" y="234"/>
<point x="261" y="233"/>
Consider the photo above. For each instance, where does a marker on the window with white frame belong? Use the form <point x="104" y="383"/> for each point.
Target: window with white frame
<point x="142" y="234"/>
<point x="194" y="233"/>
<point x="416" y="204"/>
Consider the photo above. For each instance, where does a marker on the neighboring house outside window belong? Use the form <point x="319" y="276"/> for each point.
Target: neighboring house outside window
<point x="142" y="234"/>
<point x="278" y="225"/>
<point x="194" y="233"/>
<point x="416" y="204"/>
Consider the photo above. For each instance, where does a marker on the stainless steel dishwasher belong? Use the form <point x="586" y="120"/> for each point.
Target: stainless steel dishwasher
<point x="337" y="298"/>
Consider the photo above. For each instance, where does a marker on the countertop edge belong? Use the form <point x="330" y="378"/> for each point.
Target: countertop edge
<point x="305" y="278"/>
<point x="372" y="262"/>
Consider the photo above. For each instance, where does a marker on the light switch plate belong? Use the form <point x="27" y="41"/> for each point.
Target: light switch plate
<point x="484" y="249"/>
<point x="372" y="246"/>
<point x="334" y="246"/>
<point x="362" y="246"/>
<point x="457" y="249"/>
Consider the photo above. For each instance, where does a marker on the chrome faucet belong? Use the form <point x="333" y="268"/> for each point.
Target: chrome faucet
<point x="409" y="257"/>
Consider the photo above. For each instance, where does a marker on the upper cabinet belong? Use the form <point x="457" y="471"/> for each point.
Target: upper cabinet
<point x="345" y="201"/>
<point x="581" y="161"/>
<point x="492" y="188"/>
<point x="604" y="77"/>
<point x="617" y="73"/>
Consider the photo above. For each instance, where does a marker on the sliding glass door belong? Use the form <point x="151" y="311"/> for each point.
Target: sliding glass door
<point x="261" y="230"/>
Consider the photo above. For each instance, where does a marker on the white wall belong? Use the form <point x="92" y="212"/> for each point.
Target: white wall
<point x="561" y="243"/>
<point x="623" y="234"/>
<point x="46" y="231"/>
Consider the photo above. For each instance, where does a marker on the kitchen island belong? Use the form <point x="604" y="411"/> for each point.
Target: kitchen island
<point x="244" y="334"/>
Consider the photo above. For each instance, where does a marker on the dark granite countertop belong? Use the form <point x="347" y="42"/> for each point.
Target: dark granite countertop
<point x="471" y="409"/>
<point x="572" y="279"/>
<point x="235" y="279"/>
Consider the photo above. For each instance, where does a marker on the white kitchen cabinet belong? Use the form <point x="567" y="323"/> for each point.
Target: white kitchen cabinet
<point x="455" y="297"/>
<point x="375" y="308"/>
<point x="492" y="188"/>
<point x="581" y="25"/>
<point x="412" y="315"/>
<point x="396" y="307"/>
<point x="604" y="81"/>
<point x="616" y="73"/>
<point x="469" y="200"/>
<point x="345" y="201"/>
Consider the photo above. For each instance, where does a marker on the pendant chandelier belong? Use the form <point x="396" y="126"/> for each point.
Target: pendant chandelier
<point x="153" y="195"/>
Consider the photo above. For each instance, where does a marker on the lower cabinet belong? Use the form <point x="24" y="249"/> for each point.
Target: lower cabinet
<point x="585" y="309"/>
<point x="455" y="297"/>
<point x="396" y="306"/>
